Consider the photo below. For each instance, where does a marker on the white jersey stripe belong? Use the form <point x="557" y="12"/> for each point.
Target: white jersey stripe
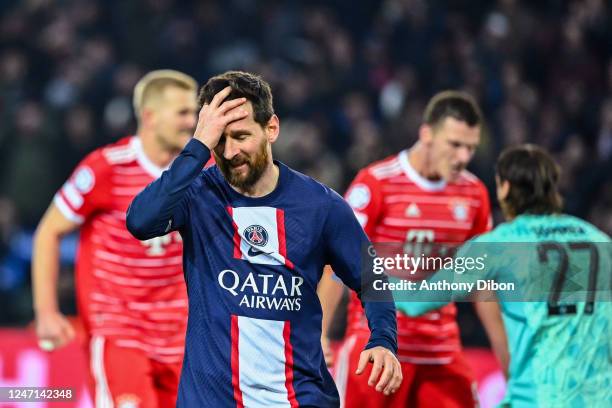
<point x="100" y="297"/>
<point x="163" y="316"/>
<point x="120" y="157"/>
<point x="427" y="199"/>
<point x="387" y="172"/>
<point x="72" y="195"/>
<point x="392" y="164"/>
<point x="131" y="321"/>
<point x="129" y="171"/>
<point x="178" y="303"/>
<point x="122" y="181"/>
<point x="148" y="348"/>
<point x="429" y="347"/>
<point x="107" y="331"/>
<point x="103" y="397"/>
<point x="104" y="229"/>
<point x="425" y="360"/>
<point x="113" y="219"/>
<point x="262" y="379"/>
<point x="423" y="326"/>
<point x="112" y="245"/>
<point x="159" y="272"/>
<point x="404" y="222"/>
<point x="141" y="283"/>
<point x="66" y="210"/>
<point x="128" y="261"/>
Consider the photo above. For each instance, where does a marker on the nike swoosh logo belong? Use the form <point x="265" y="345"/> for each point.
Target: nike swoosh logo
<point x="254" y="252"/>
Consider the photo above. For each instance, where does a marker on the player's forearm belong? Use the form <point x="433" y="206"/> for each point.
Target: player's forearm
<point x="152" y="212"/>
<point x="330" y="293"/>
<point x="45" y="270"/>
<point x="380" y="310"/>
<point x="490" y="317"/>
<point x="383" y="325"/>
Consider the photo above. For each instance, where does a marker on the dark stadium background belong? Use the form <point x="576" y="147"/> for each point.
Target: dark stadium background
<point x="350" y="79"/>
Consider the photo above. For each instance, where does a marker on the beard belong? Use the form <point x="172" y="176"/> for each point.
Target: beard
<point x="255" y="168"/>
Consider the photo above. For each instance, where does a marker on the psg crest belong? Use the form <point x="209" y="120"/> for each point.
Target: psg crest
<point x="256" y="235"/>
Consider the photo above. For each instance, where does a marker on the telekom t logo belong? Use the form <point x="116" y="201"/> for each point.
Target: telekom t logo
<point x="417" y="242"/>
<point x="156" y="245"/>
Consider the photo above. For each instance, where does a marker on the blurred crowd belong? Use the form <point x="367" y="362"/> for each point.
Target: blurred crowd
<point x="350" y="79"/>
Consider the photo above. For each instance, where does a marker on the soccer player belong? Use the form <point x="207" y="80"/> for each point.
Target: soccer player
<point x="256" y="236"/>
<point x="560" y="354"/>
<point x="131" y="294"/>
<point x="424" y="199"/>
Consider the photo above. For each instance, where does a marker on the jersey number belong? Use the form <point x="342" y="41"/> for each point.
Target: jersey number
<point x="554" y="308"/>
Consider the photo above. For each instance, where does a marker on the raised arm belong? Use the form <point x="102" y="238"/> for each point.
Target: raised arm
<point x="162" y="206"/>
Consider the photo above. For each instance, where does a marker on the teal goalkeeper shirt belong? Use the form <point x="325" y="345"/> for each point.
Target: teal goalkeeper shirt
<point x="558" y="318"/>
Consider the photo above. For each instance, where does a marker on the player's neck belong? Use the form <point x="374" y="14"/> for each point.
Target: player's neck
<point x="156" y="153"/>
<point x="419" y="158"/>
<point x="266" y="183"/>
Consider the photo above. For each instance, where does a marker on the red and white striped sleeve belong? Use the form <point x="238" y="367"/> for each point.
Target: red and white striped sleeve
<point x="365" y="198"/>
<point x="86" y="190"/>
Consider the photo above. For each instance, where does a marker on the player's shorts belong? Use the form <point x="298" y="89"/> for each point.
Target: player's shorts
<point x="126" y="377"/>
<point x="424" y="385"/>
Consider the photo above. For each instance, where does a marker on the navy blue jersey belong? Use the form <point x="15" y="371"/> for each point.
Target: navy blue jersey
<point x="252" y="266"/>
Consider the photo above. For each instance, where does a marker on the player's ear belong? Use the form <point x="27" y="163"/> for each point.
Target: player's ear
<point x="503" y="188"/>
<point x="147" y="116"/>
<point x="272" y="129"/>
<point x="425" y="134"/>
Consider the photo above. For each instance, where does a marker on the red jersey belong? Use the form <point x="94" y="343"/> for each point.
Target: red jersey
<point x="128" y="290"/>
<point x="395" y="204"/>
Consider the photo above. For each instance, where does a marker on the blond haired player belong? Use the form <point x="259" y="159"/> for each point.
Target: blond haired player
<point x="131" y="294"/>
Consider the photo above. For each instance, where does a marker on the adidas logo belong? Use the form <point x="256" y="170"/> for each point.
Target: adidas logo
<point x="413" y="211"/>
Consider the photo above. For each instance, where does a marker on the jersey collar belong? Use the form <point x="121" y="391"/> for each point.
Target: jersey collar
<point x="413" y="175"/>
<point x="142" y="159"/>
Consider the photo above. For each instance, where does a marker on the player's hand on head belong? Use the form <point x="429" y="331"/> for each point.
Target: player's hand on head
<point x="216" y="115"/>
<point x="53" y="330"/>
<point x="386" y="372"/>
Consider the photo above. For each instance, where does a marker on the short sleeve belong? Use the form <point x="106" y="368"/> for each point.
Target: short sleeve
<point x="364" y="197"/>
<point x="86" y="189"/>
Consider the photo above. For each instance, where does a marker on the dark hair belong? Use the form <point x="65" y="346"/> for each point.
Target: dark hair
<point x="533" y="176"/>
<point x="452" y="104"/>
<point x="244" y="85"/>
